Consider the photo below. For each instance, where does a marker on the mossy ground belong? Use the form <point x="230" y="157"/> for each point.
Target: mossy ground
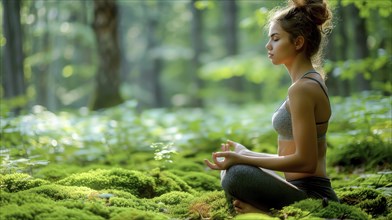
<point x="104" y="165"/>
<point x="182" y="191"/>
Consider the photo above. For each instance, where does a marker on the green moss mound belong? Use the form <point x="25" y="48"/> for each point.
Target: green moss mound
<point x="367" y="199"/>
<point x="311" y="208"/>
<point x="135" y="214"/>
<point x="202" y="181"/>
<point x="255" y="216"/>
<point x="209" y="205"/>
<point x="166" y="182"/>
<point x="19" y="181"/>
<point x="38" y="211"/>
<point x="175" y="203"/>
<point x="135" y="182"/>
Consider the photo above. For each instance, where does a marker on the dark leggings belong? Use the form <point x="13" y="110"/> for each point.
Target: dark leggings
<point x="264" y="191"/>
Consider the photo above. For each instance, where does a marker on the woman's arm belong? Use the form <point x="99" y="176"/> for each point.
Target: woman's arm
<point x="242" y="150"/>
<point x="303" y="160"/>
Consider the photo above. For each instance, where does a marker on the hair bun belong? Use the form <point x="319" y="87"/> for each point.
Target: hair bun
<point x="315" y="10"/>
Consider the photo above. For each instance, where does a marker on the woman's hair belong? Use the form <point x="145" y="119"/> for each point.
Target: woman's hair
<point x="310" y="19"/>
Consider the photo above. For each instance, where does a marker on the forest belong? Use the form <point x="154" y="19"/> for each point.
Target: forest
<point x="109" y="107"/>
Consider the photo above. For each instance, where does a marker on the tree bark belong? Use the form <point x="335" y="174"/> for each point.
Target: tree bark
<point x="197" y="46"/>
<point x="361" y="49"/>
<point x="231" y="39"/>
<point x="107" y="89"/>
<point x="12" y="57"/>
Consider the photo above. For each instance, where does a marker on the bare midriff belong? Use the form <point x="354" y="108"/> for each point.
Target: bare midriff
<point x="287" y="147"/>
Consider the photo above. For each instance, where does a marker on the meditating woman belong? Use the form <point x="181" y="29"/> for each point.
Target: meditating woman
<point x="296" y="39"/>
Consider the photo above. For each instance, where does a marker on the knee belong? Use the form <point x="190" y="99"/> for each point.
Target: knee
<point x="237" y="176"/>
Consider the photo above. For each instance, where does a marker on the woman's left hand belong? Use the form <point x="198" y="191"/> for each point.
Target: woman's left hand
<point x="222" y="160"/>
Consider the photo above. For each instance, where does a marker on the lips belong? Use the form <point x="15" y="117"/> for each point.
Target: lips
<point x="270" y="55"/>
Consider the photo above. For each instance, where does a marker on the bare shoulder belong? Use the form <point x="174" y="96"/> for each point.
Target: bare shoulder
<point x="304" y="89"/>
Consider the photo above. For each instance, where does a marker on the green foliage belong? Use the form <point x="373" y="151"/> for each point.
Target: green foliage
<point x="255" y="216"/>
<point x="210" y="205"/>
<point x="131" y="181"/>
<point x="32" y="211"/>
<point x="367" y="199"/>
<point x="175" y="203"/>
<point x="58" y="192"/>
<point x="135" y="214"/>
<point x="166" y="182"/>
<point x="202" y="181"/>
<point x="367" y="126"/>
<point x="83" y="151"/>
<point x="19" y="181"/>
<point x="311" y="208"/>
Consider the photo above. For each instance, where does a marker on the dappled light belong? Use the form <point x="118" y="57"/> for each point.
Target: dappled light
<point x="110" y="109"/>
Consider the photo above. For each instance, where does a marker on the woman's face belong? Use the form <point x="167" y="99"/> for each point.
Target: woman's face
<point x="280" y="48"/>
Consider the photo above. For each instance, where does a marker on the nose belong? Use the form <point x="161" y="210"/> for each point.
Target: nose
<point x="268" y="45"/>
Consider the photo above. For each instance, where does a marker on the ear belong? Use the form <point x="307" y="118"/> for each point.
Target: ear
<point x="299" y="42"/>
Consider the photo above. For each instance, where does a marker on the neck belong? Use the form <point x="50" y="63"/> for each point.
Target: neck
<point x="298" y="67"/>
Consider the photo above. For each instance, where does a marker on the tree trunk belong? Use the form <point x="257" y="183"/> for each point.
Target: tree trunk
<point x="12" y="56"/>
<point x="337" y="50"/>
<point x="107" y="89"/>
<point x="197" y="46"/>
<point x="361" y="49"/>
<point x="231" y="39"/>
<point x="152" y="65"/>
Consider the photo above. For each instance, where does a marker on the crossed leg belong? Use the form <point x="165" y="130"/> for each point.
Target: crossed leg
<point x="254" y="190"/>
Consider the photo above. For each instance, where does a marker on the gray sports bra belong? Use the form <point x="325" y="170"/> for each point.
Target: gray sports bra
<point x="281" y="120"/>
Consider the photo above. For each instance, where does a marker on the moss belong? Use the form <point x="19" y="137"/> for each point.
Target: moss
<point x="58" y="192"/>
<point x="21" y="198"/>
<point x="38" y="211"/>
<point x="209" y="205"/>
<point x="369" y="200"/>
<point x="202" y="182"/>
<point x="174" y="198"/>
<point x="55" y="172"/>
<point x="175" y="203"/>
<point x="167" y="182"/>
<point x="140" y="204"/>
<point x="313" y="208"/>
<point x="135" y="214"/>
<point x="254" y="216"/>
<point x="131" y="181"/>
<point x="19" y="181"/>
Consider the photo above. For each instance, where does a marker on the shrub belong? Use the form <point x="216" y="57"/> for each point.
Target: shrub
<point x="19" y="181"/>
<point x="131" y="181"/>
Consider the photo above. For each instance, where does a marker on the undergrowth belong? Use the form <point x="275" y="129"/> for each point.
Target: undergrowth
<point x="123" y="164"/>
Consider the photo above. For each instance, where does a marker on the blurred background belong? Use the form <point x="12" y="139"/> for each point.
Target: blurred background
<point x="74" y="54"/>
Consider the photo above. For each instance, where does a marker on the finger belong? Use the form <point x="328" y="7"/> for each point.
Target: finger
<point x="221" y="154"/>
<point x="223" y="147"/>
<point x="232" y="143"/>
<point x="211" y="165"/>
<point x="227" y="147"/>
<point x="217" y="160"/>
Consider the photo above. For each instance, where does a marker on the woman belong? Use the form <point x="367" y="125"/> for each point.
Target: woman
<point x="296" y="40"/>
